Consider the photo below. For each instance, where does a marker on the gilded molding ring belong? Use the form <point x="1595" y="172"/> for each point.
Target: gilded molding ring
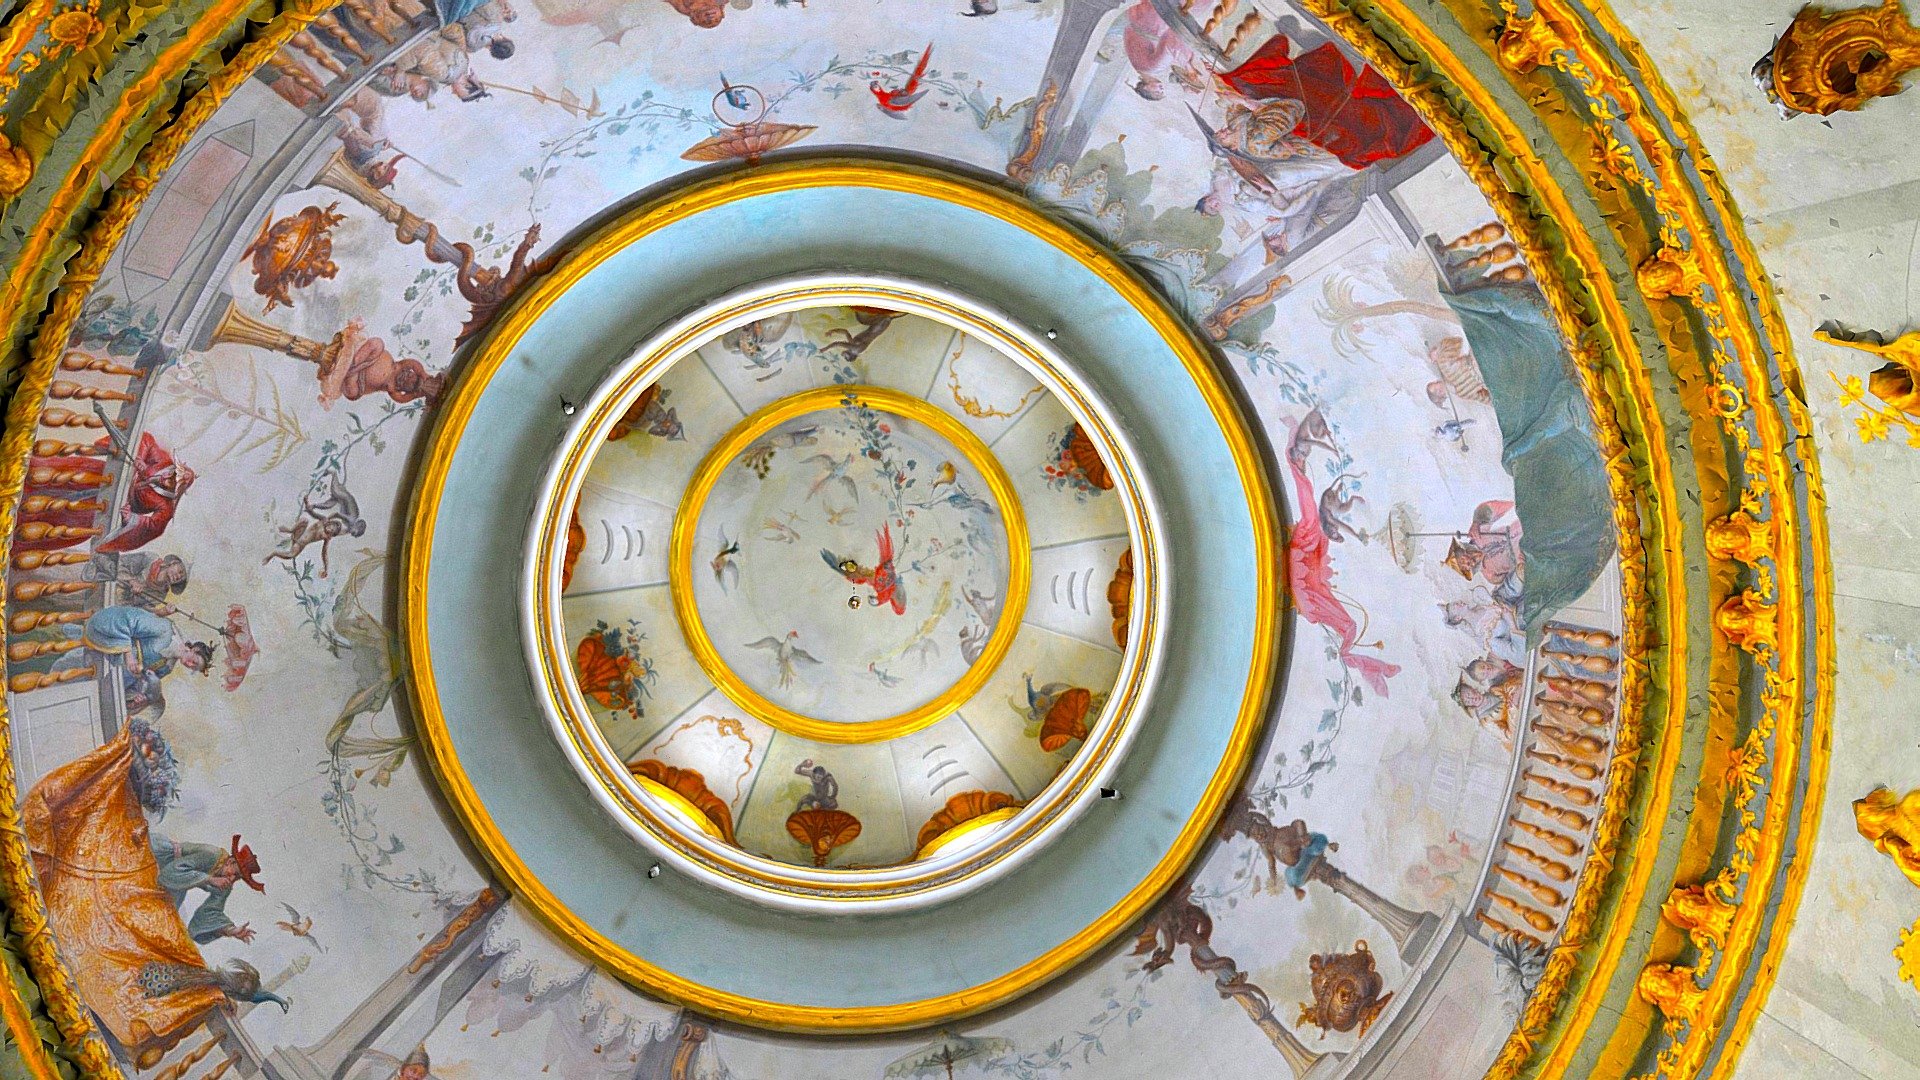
<point x="687" y="519"/>
<point x="1263" y="598"/>
<point x="767" y="880"/>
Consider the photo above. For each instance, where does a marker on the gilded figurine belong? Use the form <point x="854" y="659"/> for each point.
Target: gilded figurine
<point x="1892" y="823"/>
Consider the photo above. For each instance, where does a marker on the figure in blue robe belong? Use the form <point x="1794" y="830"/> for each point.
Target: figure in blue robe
<point x="187" y="867"/>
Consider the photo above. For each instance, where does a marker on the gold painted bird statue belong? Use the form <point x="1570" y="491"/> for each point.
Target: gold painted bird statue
<point x="881" y="577"/>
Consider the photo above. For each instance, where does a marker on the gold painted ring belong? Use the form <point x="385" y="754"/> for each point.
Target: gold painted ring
<point x="686" y="523"/>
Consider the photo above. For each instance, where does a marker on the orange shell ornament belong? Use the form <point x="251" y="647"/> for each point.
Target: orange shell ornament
<point x="635" y="415"/>
<point x="1082" y="453"/>
<point x="747" y="141"/>
<point x="962" y="808"/>
<point x="820" y="831"/>
<point x="691" y="786"/>
<point x="1120" y="597"/>
<point x="606" y="679"/>
<point x="1066" y="718"/>
<point x="576" y="543"/>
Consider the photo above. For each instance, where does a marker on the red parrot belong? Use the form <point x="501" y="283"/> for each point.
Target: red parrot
<point x="881" y="576"/>
<point x="895" y="103"/>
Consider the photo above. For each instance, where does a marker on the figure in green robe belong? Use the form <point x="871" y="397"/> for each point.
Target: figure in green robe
<point x="189" y="867"/>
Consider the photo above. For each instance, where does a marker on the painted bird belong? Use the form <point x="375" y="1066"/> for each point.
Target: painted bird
<point x="946" y="475"/>
<point x="786" y="651"/>
<point x="726" y="572"/>
<point x="300" y="926"/>
<point x="882" y="577"/>
<point x="959" y="498"/>
<point x="895" y="103"/>
<point x="736" y="95"/>
<point x="833" y="472"/>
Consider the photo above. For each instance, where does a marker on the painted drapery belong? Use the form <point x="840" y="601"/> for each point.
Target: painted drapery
<point x="89" y="842"/>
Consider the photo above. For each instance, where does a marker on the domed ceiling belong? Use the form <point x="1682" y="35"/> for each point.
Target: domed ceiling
<point x="737" y="538"/>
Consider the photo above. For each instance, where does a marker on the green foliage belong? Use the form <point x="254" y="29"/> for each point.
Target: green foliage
<point x="12" y="1064"/>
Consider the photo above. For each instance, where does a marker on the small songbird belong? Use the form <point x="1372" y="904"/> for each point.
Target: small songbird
<point x="945" y="475"/>
<point x="300" y="926"/>
<point x="780" y="532"/>
<point x="833" y="472"/>
<point x="882" y="577"/>
<point x="736" y="95"/>
<point x="786" y="651"/>
<point x="726" y="572"/>
<point x="895" y="103"/>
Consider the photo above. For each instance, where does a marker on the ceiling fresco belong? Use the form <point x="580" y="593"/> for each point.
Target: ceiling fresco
<point x="737" y="538"/>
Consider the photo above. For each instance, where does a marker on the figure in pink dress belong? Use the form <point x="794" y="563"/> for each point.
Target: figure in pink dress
<point x="1309" y="563"/>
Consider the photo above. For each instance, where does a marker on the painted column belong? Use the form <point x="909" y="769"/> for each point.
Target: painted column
<point x="1054" y="102"/>
<point x="334" y="1056"/>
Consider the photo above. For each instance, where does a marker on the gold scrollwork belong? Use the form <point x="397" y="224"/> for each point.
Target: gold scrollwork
<point x="16" y="168"/>
<point x="1896" y="384"/>
<point x="1528" y="42"/>
<point x="1669" y="273"/>
<point x="1833" y="61"/>
<point x="1748" y="622"/>
<point x="1892" y="823"/>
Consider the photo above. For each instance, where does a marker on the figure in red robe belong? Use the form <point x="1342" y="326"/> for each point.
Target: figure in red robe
<point x="1352" y="114"/>
<point x="158" y="484"/>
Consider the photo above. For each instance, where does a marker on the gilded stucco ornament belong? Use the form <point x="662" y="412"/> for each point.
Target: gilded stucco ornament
<point x="1748" y="622"/>
<point x="1669" y="273"/>
<point x="1837" y="61"/>
<point x="1702" y="911"/>
<point x="1738" y="537"/>
<point x="1892" y="383"/>
<point x="1892" y="823"/>
<point x="1673" y="989"/>
<point x="1776" y="623"/>
<point x="16" y="168"/>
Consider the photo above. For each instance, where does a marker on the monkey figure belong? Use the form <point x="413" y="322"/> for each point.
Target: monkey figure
<point x="323" y="518"/>
<point x="1336" y="503"/>
<point x="1313" y="431"/>
<point x="826" y="790"/>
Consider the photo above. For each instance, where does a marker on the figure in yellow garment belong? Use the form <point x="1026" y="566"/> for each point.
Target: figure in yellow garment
<point x="89" y="843"/>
